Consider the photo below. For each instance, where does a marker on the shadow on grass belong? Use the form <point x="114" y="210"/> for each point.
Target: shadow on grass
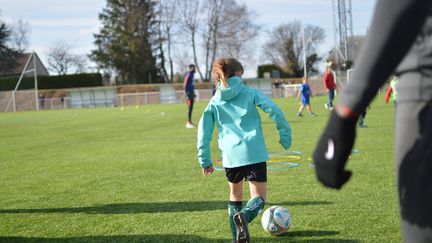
<point x="149" y="207"/>
<point x="175" y="238"/>
<point x="306" y="236"/>
<point x="301" y="203"/>
<point x="272" y="123"/>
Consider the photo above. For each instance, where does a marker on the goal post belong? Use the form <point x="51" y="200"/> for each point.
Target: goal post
<point x="12" y="101"/>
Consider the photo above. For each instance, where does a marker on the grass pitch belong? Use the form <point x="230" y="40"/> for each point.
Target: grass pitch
<point x="105" y="175"/>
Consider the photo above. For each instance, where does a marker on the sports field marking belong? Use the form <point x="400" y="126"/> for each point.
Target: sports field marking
<point x="286" y="158"/>
<point x="282" y="165"/>
<point x="286" y="153"/>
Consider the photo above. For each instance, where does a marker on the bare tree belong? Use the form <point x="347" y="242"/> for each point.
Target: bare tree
<point x="169" y="26"/>
<point x="182" y="62"/>
<point x="157" y="38"/>
<point x="210" y="35"/>
<point x="214" y="28"/>
<point x="285" y="47"/>
<point x="230" y="31"/>
<point x="189" y="12"/>
<point x="80" y="63"/>
<point x="62" y="61"/>
<point x="238" y="32"/>
<point x="20" y="35"/>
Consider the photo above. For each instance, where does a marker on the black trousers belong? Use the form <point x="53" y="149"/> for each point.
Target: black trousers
<point x="413" y="154"/>
<point x="190" y="102"/>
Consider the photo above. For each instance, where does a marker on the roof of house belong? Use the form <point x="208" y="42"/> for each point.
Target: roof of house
<point x="22" y="61"/>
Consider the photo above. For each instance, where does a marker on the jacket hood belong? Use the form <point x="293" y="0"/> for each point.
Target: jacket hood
<point x="235" y="86"/>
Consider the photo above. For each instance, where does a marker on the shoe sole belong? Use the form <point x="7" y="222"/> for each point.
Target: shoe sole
<point x="242" y="229"/>
<point x="189" y="126"/>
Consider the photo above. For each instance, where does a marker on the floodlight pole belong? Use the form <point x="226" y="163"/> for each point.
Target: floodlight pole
<point x="304" y="53"/>
<point x="35" y="81"/>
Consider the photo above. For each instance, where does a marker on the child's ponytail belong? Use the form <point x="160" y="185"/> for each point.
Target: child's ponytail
<point x="224" y="68"/>
<point x="218" y="72"/>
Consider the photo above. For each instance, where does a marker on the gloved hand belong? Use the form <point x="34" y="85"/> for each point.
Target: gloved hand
<point x="333" y="149"/>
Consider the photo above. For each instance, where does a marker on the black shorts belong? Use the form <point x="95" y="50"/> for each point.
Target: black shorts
<point x="190" y="95"/>
<point x="254" y="172"/>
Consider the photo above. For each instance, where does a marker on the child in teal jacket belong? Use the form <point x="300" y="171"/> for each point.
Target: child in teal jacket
<point x="241" y="141"/>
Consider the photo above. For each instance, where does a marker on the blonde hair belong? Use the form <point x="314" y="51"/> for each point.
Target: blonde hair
<point x="224" y="68"/>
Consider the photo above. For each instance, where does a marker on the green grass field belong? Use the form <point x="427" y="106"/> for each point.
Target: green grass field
<point x="105" y="175"/>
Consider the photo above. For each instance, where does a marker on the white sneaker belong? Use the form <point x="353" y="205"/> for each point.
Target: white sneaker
<point x="331" y="108"/>
<point x="326" y="106"/>
<point x="190" y="125"/>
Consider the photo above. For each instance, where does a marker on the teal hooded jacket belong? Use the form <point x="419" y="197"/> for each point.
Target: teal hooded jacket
<point x="241" y="141"/>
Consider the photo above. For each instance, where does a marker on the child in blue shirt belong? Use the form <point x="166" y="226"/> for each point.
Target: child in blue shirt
<point x="305" y="93"/>
<point x="241" y="141"/>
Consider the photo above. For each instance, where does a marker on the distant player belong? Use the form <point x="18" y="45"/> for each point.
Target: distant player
<point x="304" y="94"/>
<point x="241" y="141"/>
<point x="361" y="123"/>
<point x="189" y="87"/>
<point x="391" y="92"/>
<point x="399" y="41"/>
<point x="330" y="86"/>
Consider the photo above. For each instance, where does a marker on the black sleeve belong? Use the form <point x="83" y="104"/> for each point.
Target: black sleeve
<point x="394" y="28"/>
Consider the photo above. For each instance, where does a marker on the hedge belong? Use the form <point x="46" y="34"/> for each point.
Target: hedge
<point x="53" y="82"/>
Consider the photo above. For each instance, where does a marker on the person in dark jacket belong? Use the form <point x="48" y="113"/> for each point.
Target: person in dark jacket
<point x="189" y="87"/>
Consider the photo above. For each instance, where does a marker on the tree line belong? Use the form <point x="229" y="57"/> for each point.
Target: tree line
<point x="142" y="41"/>
<point x="13" y="43"/>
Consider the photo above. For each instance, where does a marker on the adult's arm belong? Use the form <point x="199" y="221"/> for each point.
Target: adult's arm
<point x="394" y="28"/>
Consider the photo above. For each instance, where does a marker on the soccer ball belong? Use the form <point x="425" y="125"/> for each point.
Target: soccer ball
<point x="276" y="220"/>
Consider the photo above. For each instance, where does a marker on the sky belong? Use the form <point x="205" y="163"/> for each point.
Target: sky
<point x="75" y="21"/>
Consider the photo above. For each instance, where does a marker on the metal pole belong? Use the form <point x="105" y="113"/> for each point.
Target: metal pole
<point x="304" y="53"/>
<point x="17" y="85"/>
<point x="13" y="100"/>
<point x="35" y="81"/>
<point x="335" y="29"/>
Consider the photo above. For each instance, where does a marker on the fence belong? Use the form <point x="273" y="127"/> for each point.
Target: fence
<point x="25" y="99"/>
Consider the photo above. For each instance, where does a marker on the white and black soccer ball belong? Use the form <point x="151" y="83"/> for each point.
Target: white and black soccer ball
<point x="276" y="220"/>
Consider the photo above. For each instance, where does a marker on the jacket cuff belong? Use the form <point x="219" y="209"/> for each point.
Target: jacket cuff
<point x="206" y="164"/>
